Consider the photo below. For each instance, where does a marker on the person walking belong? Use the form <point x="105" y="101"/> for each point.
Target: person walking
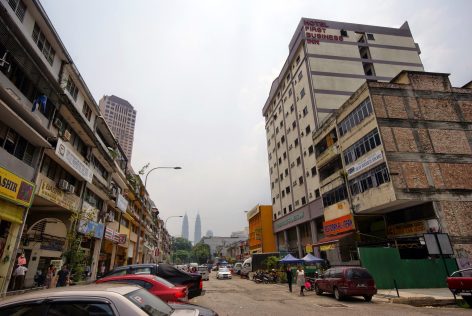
<point x="50" y="275"/>
<point x="301" y="280"/>
<point x="19" y="274"/>
<point x="288" y="272"/>
<point x="63" y="275"/>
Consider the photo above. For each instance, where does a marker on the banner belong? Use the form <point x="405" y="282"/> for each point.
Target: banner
<point x="73" y="160"/>
<point x="365" y="163"/>
<point x="339" y="225"/>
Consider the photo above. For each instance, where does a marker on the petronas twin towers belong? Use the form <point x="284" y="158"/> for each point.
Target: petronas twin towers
<point x="198" y="229"/>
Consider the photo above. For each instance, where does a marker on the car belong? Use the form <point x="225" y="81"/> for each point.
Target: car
<point x="165" y="271"/>
<point x="460" y="283"/>
<point x="161" y="288"/>
<point x="346" y="281"/>
<point x="223" y="273"/>
<point x="203" y="270"/>
<point x="202" y="311"/>
<point x="237" y="267"/>
<point x="92" y="299"/>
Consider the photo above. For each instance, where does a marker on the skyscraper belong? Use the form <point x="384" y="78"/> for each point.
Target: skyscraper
<point x="198" y="229"/>
<point x="185" y="227"/>
<point x="121" y="117"/>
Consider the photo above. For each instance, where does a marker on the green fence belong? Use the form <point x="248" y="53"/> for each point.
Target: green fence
<point x="385" y="265"/>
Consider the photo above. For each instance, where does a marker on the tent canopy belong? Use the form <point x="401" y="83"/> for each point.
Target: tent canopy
<point x="309" y="258"/>
<point x="290" y="259"/>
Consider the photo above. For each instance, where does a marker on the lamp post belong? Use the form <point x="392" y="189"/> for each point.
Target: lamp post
<point x="170" y="218"/>
<point x="142" y="216"/>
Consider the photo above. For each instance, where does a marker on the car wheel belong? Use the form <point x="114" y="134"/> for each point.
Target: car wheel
<point x="318" y="291"/>
<point x="468" y="300"/>
<point x="337" y="295"/>
<point x="368" y="298"/>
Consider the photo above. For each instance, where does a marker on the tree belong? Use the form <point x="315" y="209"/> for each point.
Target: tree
<point x="271" y="262"/>
<point x="201" y="252"/>
<point x="182" y="255"/>
<point x="182" y="244"/>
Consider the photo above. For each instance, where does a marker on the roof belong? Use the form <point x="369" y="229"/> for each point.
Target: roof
<point x="332" y="239"/>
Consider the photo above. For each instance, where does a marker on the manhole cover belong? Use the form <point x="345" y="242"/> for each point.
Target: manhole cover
<point x="331" y="305"/>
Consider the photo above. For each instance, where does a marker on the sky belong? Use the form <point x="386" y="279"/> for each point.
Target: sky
<point x="199" y="72"/>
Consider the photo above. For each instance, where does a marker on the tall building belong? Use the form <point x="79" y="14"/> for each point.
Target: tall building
<point x="327" y="62"/>
<point x="198" y="229"/>
<point x="261" y="233"/>
<point x="121" y="117"/>
<point x="185" y="227"/>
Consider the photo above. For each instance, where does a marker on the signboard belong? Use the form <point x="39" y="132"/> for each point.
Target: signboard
<point x="290" y="220"/>
<point x="121" y="202"/>
<point x="15" y="189"/>
<point x="316" y="30"/>
<point x="438" y="243"/>
<point x="49" y="191"/>
<point x="339" y="225"/>
<point x="364" y="163"/>
<point x="115" y="236"/>
<point x="93" y="228"/>
<point x="327" y="247"/>
<point x="407" y="229"/>
<point x="73" y="160"/>
<point x="308" y="248"/>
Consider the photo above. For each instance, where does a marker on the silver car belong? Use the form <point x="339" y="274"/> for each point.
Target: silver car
<point x="94" y="299"/>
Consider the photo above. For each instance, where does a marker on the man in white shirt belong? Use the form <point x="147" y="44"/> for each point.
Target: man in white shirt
<point x="20" y="277"/>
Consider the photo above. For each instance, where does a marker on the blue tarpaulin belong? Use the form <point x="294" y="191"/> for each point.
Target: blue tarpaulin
<point x="291" y="259"/>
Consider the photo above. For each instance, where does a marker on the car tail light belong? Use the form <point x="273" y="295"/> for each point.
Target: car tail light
<point x="181" y="294"/>
<point x="201" y="284"/>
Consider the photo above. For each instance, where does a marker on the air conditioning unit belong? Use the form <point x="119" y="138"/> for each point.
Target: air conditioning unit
<point x="57" y="123"/>
<point x="66" y="135"/>
<point x="71" y="188"/>
<point x="63" y="185"/>
<point x="110" y="217"/>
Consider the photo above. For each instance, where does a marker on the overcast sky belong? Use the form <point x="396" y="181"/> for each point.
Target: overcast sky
<point x="199" y="73"/>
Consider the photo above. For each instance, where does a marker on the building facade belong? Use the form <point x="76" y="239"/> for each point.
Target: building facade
<point x="185" y="233"/>
<point x="327" y="62"/>
<point x="393" y="163"/>
<point x="120" y="115"/>
<point x="261" y="234"/>
<point x="198" y="230"/>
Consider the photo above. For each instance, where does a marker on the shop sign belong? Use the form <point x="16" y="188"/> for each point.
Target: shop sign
<point x="53" y="244"/>
<point x="407" y="229"/>
<point x="289" y="219"/>
<point x="15" y="189"/>
<point x="121" y="202"/>
<point x="339" y="225"/>
<point x="92" y="228"/>
<point x="365" y="163"/>
<point x="327" y="247"/>
<point x="308" y="248"/>
<point x="72" y="160"/>
<point x="115" y="236"/>
<point x="49" y="191"/>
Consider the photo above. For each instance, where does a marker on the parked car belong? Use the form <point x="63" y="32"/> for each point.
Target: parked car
<point x="203" y="270"/>
<point x="165" y="271"/>
<point x="223" y="273"/>
<point x="93" y="299"/>
<point x="202" y="311"/>
<point x="163" y="289"/>
<point x="460" y="283"/>
<point x="237" y="267"/>
<point x="230" y="267"/>
<point x="346" y="281"/>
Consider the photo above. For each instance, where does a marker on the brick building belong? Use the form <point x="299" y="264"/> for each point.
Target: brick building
<point x="394" y="163"/>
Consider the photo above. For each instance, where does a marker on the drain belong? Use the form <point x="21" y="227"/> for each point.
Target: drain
<point x="331" y="305"/>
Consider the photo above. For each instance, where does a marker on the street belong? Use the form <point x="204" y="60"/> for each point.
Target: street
<point x="243" y="297"/>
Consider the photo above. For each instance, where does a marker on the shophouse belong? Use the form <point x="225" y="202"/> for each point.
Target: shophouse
<point x="261" y="234"/>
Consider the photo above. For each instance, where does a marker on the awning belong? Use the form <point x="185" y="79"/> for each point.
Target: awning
<point x="332" y="239"/>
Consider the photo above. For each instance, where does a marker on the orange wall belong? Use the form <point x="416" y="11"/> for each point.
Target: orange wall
<point x="260" y="226"/>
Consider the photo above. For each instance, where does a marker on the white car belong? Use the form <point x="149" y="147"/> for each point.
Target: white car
<point x="223" y="273"/>
<point x="203" y="270"/>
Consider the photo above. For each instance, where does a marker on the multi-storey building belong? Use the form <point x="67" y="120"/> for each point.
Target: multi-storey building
<point x="327" y="62"/>
<point x="197" y="232"/>
<point x="121" y="117"/>
<point x="394" y="165"/>
<point x="261" y="234"/>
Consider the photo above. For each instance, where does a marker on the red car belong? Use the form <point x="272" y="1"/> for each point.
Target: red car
<point x="346" y="281"/>
<point x="161" y="288"/>
<point x="460" y="283"/>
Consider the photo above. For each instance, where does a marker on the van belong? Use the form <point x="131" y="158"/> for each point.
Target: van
<point x="203" y="270"/>
<point x="237" y="267"/>
<point x="247" y="267"/>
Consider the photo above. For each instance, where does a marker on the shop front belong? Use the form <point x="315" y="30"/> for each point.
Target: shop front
<point x="16" y="195"/>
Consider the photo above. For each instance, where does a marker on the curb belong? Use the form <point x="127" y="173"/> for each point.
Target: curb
<point x="423" y="301"/>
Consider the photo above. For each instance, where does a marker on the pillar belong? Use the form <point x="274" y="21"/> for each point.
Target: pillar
<point x="314" y="237"/>
<point x="286" y="239"/>
<point x="299" y="242"/>
<point x="97" y="247"/>
<point x="113" y="255"/>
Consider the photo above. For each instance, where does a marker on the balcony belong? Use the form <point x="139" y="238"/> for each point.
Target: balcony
<point x="327" y="155"/>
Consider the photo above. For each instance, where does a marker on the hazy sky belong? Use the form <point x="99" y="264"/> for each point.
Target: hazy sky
<point x="199" y="73"/>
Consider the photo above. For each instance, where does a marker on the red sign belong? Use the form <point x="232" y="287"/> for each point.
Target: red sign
<point x="339" y="225"/>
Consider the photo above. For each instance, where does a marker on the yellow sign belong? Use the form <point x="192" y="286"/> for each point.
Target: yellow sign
<point x="327" y="247"/>
<point x="308" y="248"/>
<point x="49" y="191"/>
<point x="15" y="189"/>
<point x="11" y="213"/>
<point x="407" y="229"/>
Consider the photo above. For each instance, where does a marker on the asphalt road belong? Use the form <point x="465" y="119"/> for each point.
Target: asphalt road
<point x="243" y="297"/>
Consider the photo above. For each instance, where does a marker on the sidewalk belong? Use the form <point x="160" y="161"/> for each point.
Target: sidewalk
<point x="419" y="297"/>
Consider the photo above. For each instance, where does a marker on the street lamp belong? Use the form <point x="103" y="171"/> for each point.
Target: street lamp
<point x="170" y="218"/>
<point x="142" y="216"/>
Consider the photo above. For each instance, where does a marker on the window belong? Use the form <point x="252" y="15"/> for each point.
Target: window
<point x="16" y="145"/>
<point x="294" y="124"/>
<point x="313" y="171"/>
<point x="282" y="139"/>
<point x="273" y="200"/>
<point x="362" y="146"/>
<point x="285" y="210"/>
<point x="355" y="117"/>
<point x="343" y="33"/>
<point x="310" y="150"/>
<point x="290" y="92"/>
<point x="303" y="200"/>
<point x="281" y="176"/>
<point x="290" y="208"/>
<point x="305" y="111"/>
<point x="302" y="93"/>
<point x="292" y="108"/>
<point x="19" y="7"/>
<point x="93" y="199"/>
<point x="30" y="308"/>
<point x="370" y="37"/>
<point x="72" y="88"/>
<point x="300" y="180"/>
<point x="287" y="190"/>
<point x="300" y="75"/>
<point x="285" y="155"/>
<point x="317" y="193"/>
<point x="40" y="39"/>
<point x="298" y="59"/>
<point x="283" y="194"/>
<point x="299" y="161"/>
<point x="334" y="196"/>
<point x="100" y="168"/>
<point x="371" y="179"/>
<point x="143" y="270"/>
<point x="87" y="111"/>
<point x="307" y="130"/>
<point x="79" y="308"/>
<point x="296" y="142"/>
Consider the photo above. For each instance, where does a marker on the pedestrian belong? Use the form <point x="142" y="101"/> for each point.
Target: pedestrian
<point x="19" y="274"/>
<point x="301" y="280"/>
<point x="50" y="275"/>
<point x="63" y="275"/>
<point x="102" y="268"/>
<point x="288" y="272"/>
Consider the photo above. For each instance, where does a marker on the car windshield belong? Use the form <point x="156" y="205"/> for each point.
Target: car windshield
<point x="223" y="269"/>
<point x="163" y="281"/>
<point x="358" y="274"/>
<point x="149" y="303"/>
